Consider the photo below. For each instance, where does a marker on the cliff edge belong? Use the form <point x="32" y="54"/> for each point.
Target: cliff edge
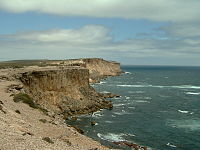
<point x="61" y="89"/>
<point x="64" y="91"/>
<point x="62" y="86"/>
<point x="98" y="67"/>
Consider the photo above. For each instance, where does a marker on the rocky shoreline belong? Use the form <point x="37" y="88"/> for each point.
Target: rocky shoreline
<point x="59" y="90"/>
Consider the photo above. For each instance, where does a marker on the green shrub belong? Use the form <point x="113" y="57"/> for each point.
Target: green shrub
<point x="43" y="110"/>
<point x="43" y="120"/>
<point x="17" y="111"/>
<point x="25" y="99"/>
<point x="47" y="139"/>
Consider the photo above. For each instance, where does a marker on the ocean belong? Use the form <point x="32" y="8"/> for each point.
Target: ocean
<point x="159" y="108"/>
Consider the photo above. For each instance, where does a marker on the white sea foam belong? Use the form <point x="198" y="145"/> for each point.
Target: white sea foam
<point x="131" y="107"/>
<point x="136" y="92"/>
<point x="143" y="97"/>
<point x="128" y="134"/>
<point x="105" y="92"/>
<point x="127" y="97"/>
<point x="109" y="121"/>
<point x="97" y="114"/>
<point x="190" y="124"/>
<point x="112" y="137"/>
<point x="123" y="112"/>
<point x="183" y="111"/>
<point x="128" y="73"/>
<point x="118" y="105"/>
<point x="141" y="101"/>
<point x="171" y="145"/>
<point x="193" y="93"/>
<point x="160" y="86"/>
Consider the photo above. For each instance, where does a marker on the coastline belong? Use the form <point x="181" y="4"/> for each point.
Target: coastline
<point x="23" y="127"/>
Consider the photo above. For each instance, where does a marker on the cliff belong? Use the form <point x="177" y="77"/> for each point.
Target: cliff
<point x="64" y="91"/>
<point x="22" y="127"/>
<point x="62" y="86"/>
<point x="98" y="68"/>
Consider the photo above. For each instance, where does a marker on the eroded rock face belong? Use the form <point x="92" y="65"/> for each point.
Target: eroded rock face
<point x="64" y="91"/>
<point x="98" y="68"/>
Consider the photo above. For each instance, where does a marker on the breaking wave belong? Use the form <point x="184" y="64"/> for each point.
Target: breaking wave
<point x="171" y="145"/>
<point x="111" y="137"/>
<point x="183" y="111"/>
<point x="192" y="93"/>
<point x="190" y="124"/>
<point x="159" y="86"/>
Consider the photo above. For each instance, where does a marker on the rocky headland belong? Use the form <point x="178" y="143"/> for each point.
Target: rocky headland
<point x="55" y="90"/>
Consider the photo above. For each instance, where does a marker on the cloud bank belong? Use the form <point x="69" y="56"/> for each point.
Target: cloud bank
<point x="157" y="10"/>
<point x="95" y="40"/>
<point x="180" y="44"/>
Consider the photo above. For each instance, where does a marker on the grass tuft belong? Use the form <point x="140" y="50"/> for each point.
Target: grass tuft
<point x="43" y="120"/>
<point x="25" y="98"/>
<point x="47" y="139"/>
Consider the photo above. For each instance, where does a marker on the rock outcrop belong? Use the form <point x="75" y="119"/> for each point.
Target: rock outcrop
<point x="98" y="68"/>
<point x="64" y="91"/>
<point x="62" y="86"/>
<point x="58" y="90"/>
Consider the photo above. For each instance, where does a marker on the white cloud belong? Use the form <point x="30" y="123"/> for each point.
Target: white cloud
<point x="90" y="34"/>
<point x="183" y="30"/>
<point x="95" y="41"/>
<point x="157" y="10"/>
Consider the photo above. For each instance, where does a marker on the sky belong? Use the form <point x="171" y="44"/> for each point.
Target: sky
<point x="134" y="32"/>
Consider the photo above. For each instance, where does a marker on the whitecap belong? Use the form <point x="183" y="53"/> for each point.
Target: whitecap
<point x="142" y="101"/>
<point x="131" y="107"/>
<point x="190" y="124"/>
<point x="123" y="112"/>
<point x="108" y="121"/>
<point x="187" y="87"/>
<point x="112" y="137"/>
<point x="128" y="73"/>
<point x="129" y="134"/>
<point x="171" y="145"/>
<point x="105" y="92"/>
<point x="160" y="86"/>
<point x="127" y="97"/>
<point x="192" y="93"/>
<point x="183" y="111"/>
<point x="97" y="115"/>
<point x="117" y="105"/>
<point x="136" y="92"/>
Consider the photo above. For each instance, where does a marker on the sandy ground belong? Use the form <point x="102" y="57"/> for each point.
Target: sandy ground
<point x="24" y="131"/>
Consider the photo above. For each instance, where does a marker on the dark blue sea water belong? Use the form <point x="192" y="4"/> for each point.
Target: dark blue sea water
<point x="159" y="108"/>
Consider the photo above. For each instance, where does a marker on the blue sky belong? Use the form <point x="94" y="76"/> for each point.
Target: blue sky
<point x="138" y="32"/>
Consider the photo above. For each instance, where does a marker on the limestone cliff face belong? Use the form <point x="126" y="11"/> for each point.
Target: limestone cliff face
<point x="65" y="91"/>
<point x="98" y="68"/>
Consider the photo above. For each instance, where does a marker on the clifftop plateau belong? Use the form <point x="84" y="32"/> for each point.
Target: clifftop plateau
<point x="58" y="88"/>
<point x="62" y="86"/>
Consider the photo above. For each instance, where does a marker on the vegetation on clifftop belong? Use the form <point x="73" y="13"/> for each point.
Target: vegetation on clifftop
<point x="25" y="98"/>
